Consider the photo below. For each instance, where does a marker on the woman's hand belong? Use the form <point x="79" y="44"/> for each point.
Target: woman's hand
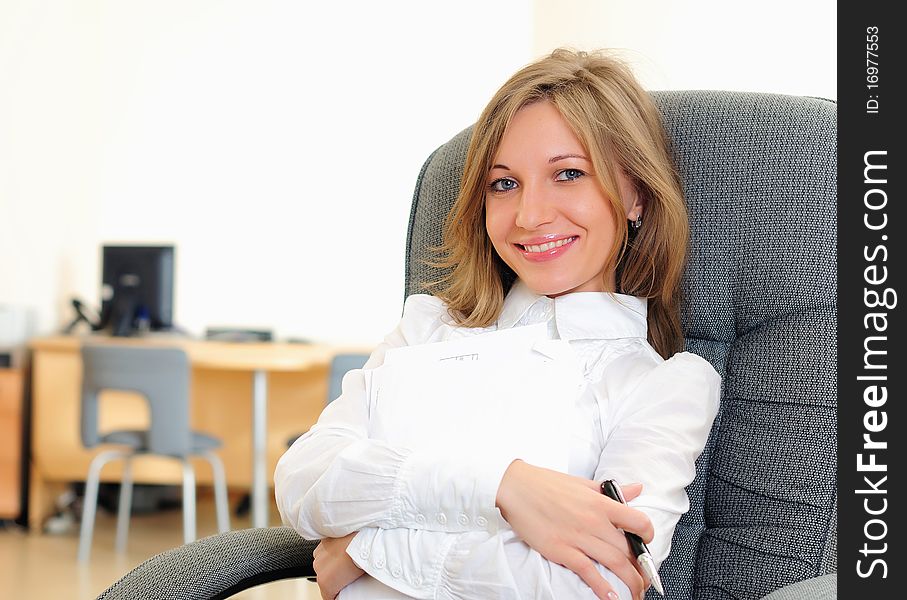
<point x="334" y="567"/>
<point x="569" y="521"/>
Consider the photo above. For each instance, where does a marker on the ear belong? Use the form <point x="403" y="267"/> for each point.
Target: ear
<point x="637" y="206"/>
<point x="634" y="203"/>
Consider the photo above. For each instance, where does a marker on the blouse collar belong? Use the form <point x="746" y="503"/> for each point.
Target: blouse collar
<point x="580" y="315"/>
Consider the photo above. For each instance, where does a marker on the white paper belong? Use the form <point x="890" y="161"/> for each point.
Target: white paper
<point x="509" y="394"/>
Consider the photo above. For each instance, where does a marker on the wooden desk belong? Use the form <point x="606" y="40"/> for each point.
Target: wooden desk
<point x="232" y="386"/>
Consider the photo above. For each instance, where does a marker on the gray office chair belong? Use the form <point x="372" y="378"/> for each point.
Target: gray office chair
<point x="759" y="175"/>
<point x="162" y="376"/>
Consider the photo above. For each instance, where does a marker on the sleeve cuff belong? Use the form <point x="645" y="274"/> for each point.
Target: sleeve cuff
<point x="405" y="560"/>
<point x="454" y="496"/>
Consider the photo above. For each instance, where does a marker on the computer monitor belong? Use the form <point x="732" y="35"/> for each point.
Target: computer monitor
<point x="137" y="289"/>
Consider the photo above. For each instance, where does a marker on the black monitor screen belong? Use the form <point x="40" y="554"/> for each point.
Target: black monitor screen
<point x="137" y="288"/>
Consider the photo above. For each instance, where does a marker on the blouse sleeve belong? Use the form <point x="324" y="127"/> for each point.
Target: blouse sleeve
<point x="334" y="480"/>
<point x="655" y="432"/>
<point x="476" y="564"/>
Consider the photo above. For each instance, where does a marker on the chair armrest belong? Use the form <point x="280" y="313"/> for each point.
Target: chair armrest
<point x="218" y="566"/>
<point x="818" y="588"/>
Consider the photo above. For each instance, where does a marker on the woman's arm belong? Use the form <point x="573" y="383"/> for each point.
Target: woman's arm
<point x="656" y="427"/>
<point x="427" y="564"/>
<point x="435" y="565"/>
<point x="568" y="521"/>
<point x="655" y="432"/>
<point x="334" y="480"/>
<point x="333" y="566"/>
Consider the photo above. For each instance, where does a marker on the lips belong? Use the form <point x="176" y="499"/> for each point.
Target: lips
<point x="545" y="248"/>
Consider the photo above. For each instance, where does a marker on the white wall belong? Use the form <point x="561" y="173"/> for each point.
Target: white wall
<point x="769" y="46"/>
<point x="277" y="143"/>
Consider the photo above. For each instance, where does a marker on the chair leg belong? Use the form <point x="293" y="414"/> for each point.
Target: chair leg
<point x="188" y="502"/>
<point x="220" y="492"/>
<point x="90" y="503"/>
<point x="125" y="509"/>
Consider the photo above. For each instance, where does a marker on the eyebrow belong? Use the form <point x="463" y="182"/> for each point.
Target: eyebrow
<point x="554" y="159"/>
<point x="551" y="160"/>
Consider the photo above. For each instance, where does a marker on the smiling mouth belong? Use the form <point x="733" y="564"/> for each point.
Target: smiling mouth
<point x="538" y="248"/>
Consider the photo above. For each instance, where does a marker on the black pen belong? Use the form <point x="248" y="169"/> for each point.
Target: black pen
<point x="643" y="556"/>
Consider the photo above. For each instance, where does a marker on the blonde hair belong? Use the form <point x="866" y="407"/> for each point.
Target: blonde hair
<point x="618" y="124"/>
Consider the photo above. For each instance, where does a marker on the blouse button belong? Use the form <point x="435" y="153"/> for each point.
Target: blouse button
<point x="379" y="563"/>
<point x="481" y="521"/>
<point x="396" y="572"/>
<point x="364" y="553"/>
<point x="442" y="518"/>
<point x="462" y="519"/>
<point x="420" y="519"/>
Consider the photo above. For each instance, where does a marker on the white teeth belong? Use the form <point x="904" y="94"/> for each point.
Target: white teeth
<point x="549" y="245"/>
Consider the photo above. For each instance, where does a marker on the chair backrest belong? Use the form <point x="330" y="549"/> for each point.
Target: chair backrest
<point x="340" y="365"/>
<point x="759" y="177"/>
<point x="161" y="375"/>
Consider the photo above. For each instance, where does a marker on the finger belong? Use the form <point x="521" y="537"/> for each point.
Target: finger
<point x="615" y="559"/>
<point x="632" y="520"/>
<point x="615" y="537"/>
<point x="631" y="490"/>
<point x="628" y="551"/>
<point x="326" y="584"/>
<point x="583" y="566"/>
<point x="646" y="582"/>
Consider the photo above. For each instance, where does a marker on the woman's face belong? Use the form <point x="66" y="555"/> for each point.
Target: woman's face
<point x="545" y="212"/>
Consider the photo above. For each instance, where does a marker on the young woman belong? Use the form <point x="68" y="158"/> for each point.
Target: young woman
<point x="569" y="214"/>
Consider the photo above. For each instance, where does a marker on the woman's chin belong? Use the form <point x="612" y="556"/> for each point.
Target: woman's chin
<point x="547" y="288"/>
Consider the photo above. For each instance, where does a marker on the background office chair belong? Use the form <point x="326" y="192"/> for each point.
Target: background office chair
<point x="340" y="365"/>
<point x="759" y="175"/>
<point x="162" y="376"/>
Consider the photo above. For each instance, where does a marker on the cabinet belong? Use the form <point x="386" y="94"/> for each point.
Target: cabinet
<point x="10" y="442"/>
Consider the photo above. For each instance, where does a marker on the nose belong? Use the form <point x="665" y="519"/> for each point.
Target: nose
<point x="535" y="208"/>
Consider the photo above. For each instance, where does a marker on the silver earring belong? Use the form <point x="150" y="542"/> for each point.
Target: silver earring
<point x="638" y="222"/>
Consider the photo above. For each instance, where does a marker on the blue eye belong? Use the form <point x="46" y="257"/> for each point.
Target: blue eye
<point x="569" y="175"/>
<point x="503" y="185"/>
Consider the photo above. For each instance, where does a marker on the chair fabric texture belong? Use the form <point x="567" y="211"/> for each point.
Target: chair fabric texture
<point x="820" y="588"/>
<point x="219" y="566"/>
<point x="759" y="178"/>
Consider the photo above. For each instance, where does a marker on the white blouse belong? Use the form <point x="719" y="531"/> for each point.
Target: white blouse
<point x="429" y="528"/>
